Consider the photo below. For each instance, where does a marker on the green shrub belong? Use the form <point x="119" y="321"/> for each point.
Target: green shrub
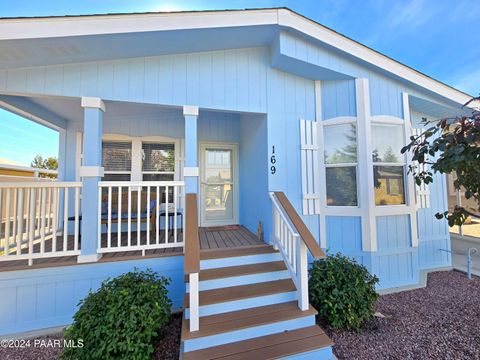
<point x="342" y="291"/>
<point x="121" y="319"/>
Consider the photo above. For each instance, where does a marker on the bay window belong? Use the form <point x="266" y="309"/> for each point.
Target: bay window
<point x="388" y="163"/>
<point x="340" y="154"/>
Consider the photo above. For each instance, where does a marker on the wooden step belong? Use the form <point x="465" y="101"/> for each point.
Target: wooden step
<point x="233" y="252"/>
<point x="241" y="270"/>
<point x="274" y="346"/>
<point x="237" y="320"/>
<point x="233" y="293"/>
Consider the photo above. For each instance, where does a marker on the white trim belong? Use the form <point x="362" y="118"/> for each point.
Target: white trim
<point x="190" y="171"/>
<point x="54" y="27"/>
<point x="340" y="120"/>
<point x="93" y="102"/>
<point x="235" y="182"/>
<point x="190" y="110"/>
<point x="91" y="171"/>
<point x="321" y="182"/>
<point x="366" y="195"/>
<point x="88" y="258"/>
<point x="387" y="119"/>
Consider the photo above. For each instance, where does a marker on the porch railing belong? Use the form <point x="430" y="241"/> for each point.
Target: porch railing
<point x="140" y="215"/>
<point x="34" y="221"/>
<point x="292" y="238"/>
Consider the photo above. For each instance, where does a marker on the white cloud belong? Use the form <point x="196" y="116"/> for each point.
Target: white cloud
<point x="469" y="82"/>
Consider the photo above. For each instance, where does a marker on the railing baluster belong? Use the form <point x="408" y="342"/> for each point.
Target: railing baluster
<point x="32" y="219"/>
<point x="166" y="214"/>
<point x="77" y="218"/>
<point x="7" y="223"/>
<point x="54" y="219"/>
<point x="49" y="208"/>
<point x="66" y="194"/>
<point x="15" y="208"/>
<point x="2" y="203"/>
<point x="175" y="214"/>
<point x="109" y="219"/>
<point x="148" y="215"/>
<point x="42" y="224"/>
<point x="129" y="220"/>
<point x="20" y="222"/>
<point x="157" y="217"/>
<point x="139" y="207"/>
<point x="100" y="216"/>
<point x="119" y="217"/>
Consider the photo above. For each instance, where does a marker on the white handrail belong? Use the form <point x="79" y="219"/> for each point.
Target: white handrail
<point x="138" y="210"/>
<point x="287" y="240"/>
<point x="34" y="220"/>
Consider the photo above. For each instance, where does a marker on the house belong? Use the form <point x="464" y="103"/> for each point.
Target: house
<point x="182" y="137"/>
<point x="14" y="171"/>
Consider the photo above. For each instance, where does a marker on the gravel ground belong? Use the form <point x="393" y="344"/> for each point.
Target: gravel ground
<point x="440" y="321"/>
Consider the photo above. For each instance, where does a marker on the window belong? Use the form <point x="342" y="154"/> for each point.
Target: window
<point x="117" y="160"/>
<point x="388" y="164"/>
<point x="158" y="161"/>
<point x="340" y="152"/>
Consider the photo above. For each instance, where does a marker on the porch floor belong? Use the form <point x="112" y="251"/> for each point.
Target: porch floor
<point x="211" y="238"/>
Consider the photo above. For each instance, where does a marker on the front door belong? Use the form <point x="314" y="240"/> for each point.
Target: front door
<point x="218" y="184"/>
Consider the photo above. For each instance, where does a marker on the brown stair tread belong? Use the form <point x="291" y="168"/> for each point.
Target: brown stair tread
<point x="266" y="347"/>
<point x="231" y="271"/>
<point x="236" y="320"/>
<point x="242" y="292"/>
<point x="233" y="252"/>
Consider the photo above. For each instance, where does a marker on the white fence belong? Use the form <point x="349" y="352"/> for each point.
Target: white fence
<point x="34" y="220"/>
<point x="140" y="215"/>
<point x="287" y="240"/>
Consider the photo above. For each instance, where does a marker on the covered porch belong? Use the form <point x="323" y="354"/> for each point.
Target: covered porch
<point x="124" y="170"/>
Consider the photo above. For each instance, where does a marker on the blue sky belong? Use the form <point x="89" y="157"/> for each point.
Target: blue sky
<point x="436" y="37"/>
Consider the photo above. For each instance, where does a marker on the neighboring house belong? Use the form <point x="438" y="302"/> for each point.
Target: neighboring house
<point x="228" y="107"/>
<point x="14" y="171"/>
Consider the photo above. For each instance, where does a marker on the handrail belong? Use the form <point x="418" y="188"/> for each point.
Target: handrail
<point x="39" y="184"/>
<point x="192" y="244"/>
<point x="299" y="225"/>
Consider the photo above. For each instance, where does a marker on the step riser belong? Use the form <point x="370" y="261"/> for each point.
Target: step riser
<point x="239" y="260"/>
<point x="325" y="353"/>
<point x="241" y="280"/>
<point x="243" y="304"/>
<point x="249" y="333"/>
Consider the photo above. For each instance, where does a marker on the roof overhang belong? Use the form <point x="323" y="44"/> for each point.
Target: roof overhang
<point x="15" y="31"/>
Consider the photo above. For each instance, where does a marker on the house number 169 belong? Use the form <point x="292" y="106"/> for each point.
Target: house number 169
<point x="273" y="169"/>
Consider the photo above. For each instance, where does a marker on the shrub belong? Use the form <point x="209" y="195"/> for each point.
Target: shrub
<point x="121" y="319"/>
<point x="342" y="291"/>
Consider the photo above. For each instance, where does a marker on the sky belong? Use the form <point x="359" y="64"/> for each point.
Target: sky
<point x="436" y="37"/>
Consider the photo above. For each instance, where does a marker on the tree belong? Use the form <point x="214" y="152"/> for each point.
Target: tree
<point x="50" y="163"/>
<point x="450" y="145"/>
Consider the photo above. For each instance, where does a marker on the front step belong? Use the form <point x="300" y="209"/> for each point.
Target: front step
<point x="306" y="343"/>
<point x="235" y="298"/>
<point x="248" y="310"/>
<point x="240" y="275"/>
<point x="246" y="324"/>
<point x="213" y="259"/>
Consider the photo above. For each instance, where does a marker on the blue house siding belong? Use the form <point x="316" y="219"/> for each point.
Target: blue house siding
<point x="42" y="298"/>
<point x="338" y="99"/>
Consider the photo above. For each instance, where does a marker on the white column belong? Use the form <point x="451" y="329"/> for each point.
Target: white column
<point x="365" y="166"/>
<point x="190" y="172"/>
<point x="91" y="173"/>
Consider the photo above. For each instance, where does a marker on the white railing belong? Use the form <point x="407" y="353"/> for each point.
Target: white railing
<point x="35" y="220"/>
<point x="141" y="215"/>
<point x="287" y="240"/>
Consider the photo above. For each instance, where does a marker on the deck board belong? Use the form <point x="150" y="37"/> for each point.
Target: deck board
<point x="224" y="237"/>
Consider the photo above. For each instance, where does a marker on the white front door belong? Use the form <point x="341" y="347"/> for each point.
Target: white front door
<point x="218" y="184"/>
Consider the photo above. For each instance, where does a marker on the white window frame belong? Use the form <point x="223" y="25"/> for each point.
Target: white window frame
<point x="174" y="172"/>
<point x="344" y="120"/>
<point x="137" y="141"/>
<point x="390" y="120"/>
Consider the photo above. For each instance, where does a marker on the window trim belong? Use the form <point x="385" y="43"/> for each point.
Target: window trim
<point x="346" y="120"/>
<point x="136" y="173"/>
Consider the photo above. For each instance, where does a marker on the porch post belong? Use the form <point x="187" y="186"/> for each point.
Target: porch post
<point x="190" y="172"/>
<point x="91" y="172"/>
